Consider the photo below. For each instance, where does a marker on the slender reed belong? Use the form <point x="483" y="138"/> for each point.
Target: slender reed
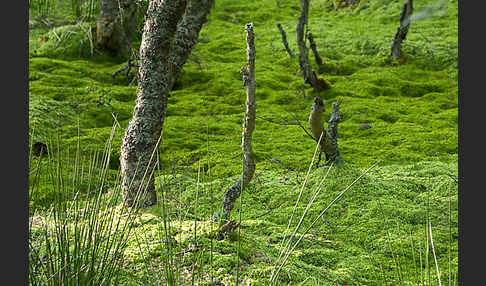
<point x="394" y="257"/>
<point x="309" y="204"/>
<point x="433" y="252"/>
<point x="195" y="219"/>
<point x="41" y="8"/>
<point x="282" y="248"/>
<point x="274" y="277"/>
<point x="414" y="260"/>
<point x="82" y="239"/>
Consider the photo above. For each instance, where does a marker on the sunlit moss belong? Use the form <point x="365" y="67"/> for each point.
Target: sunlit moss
<point x="409" y="107"/>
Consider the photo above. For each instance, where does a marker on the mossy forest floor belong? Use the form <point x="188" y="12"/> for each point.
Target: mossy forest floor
<point x="374" y="235"/>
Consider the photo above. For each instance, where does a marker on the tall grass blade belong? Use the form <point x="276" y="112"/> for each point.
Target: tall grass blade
<point x="309" y="204"/>
<point x="414" y="260"/>
<point x="433" y="251"/>
<point x="282" y="248"/>
<point x="195" y="220"/>
<point x="82" y="240"/>
<point x="319" y="216"/>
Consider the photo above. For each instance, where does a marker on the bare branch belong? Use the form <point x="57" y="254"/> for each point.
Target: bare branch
<point x="249" y="164"/>
<point x="285" y="122"/>
<point x="313" y="47"/>
<point x="284" y="40"/>
<point x="309" y="75"/>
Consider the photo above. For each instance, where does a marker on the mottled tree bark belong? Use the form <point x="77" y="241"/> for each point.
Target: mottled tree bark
<point x="187" y="34"/>
<point x="185" y="38"/>
<point x="402" y="30"/>
<point x="145" y="127"/>
<point x="309" y="75"/>
<point x="284" y="40"/>
<point x="313" y="47"/>
<point x="116" y="25"/>
<point x="328" y="142"/>
<point x="249" y="83"/>
<point x="168" y="37"/>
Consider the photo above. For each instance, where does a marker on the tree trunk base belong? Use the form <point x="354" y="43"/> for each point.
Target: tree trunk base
<point x="146" y="199"/>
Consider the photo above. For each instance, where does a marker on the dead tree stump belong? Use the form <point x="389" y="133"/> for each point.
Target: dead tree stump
<point x="249" y="164"/>
<point x="39" y="149"/>
<point x="116" y="25"/>
<point x="402" y="30"/>
<point x="328" y="143"/>
<point x="309" y="75"/>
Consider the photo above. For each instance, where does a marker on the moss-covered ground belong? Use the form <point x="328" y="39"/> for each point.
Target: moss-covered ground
<point x="373" y="235"/>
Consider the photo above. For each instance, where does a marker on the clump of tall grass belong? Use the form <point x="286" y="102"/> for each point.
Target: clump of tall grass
<point x="80" y="240"/>
<point x="287" y="250"/>
<point x="41" y="8"/>
<point x="177" y="266"/>
<point x="423" y="274"/>
<point x="85" y="10"/>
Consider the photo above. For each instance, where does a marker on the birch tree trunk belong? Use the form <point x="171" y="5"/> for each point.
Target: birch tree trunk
<point x="170" y="32"/>
<point x="309" y="75"/>
<point x="249" y="164"/>
<point x="143" y="131"/>
<point x="187" y="34"/>
<point x="116" y="25"/>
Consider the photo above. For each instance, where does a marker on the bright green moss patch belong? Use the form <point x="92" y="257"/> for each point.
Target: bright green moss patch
<point x="383" y="213"/>
<point x="407" y="110"/>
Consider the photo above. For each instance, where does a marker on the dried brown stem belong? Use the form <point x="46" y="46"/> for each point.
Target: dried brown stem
<point x="286" y="123"/>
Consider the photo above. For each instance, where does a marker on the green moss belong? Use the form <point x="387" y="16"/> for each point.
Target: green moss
<point x="70" y="41"/>
<point x="411" y="106"/>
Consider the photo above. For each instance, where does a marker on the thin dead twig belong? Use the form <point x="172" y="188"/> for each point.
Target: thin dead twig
<point x="286" y="122"/>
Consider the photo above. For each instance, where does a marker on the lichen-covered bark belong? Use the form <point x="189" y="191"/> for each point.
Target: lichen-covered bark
<point x="250" y="114"/>
<point x="402" y="30"/>
<point x="284" y="40"/>
<point x="145" y="127"/>
<point x="328" y="143"/>
<point x="170" y="32"/>
<point x="309" y="75"/>
<point x="187" y="34"/>
<point x="116" y="25"/>
<point x="249" y="164"/>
